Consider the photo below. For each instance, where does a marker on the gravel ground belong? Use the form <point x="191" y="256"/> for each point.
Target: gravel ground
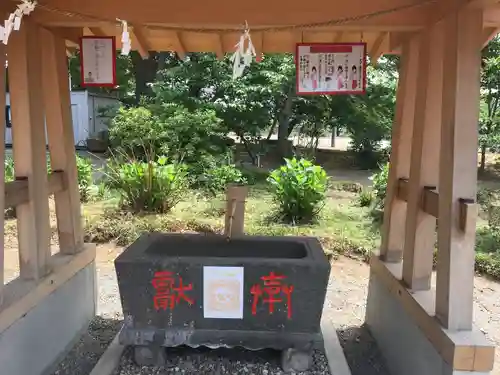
<point x="87" y="351"/>
<point x="344" y="307"/>
<point x="188" y="361"/>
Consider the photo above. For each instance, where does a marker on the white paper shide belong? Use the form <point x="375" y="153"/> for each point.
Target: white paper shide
<point x="98" y="61"/>
<point x="223" y="292"/>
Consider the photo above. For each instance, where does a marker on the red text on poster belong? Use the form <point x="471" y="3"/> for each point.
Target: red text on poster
<point x="168" y="295"/>
<point x="331" y="68"/>
<point x="271" y="292"/>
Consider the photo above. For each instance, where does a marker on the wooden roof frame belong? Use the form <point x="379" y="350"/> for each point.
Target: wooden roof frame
<point x="155" y="26"/>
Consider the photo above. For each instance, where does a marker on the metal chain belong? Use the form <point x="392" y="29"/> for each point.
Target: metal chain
<point x="332" y="22"/>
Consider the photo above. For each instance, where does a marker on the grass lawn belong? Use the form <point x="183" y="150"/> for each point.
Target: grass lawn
<point x="343" y="226"/>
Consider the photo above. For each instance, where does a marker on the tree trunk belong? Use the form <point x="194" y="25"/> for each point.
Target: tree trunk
<point x="144" y="73"/>
<point x="482" y="166"/>
<point x="273" y="126"/>
<point x="332" y="142"/>
<point x="284" y="123"/>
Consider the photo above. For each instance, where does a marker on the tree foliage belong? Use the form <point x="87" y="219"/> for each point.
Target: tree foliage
<point x="253" y="107"/>
<point x="489" y="122"/>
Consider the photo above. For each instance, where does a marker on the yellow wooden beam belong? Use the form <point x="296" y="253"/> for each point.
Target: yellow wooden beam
<point x="180" y="49"/>
<point x="338" y="37"/>
<point x="376" y="49"/>
<point x="143" y="46"/>
<point x="219" y="46"/>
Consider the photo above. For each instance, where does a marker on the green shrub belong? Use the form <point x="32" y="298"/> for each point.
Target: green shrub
<point x="135" y="131"/>
<point x="9" y="169"/>
<point x="488" y="264"/>
<point x="84" y="171"/>
<point x="215" y="180"/>
<point x="153" y="186"/>
<point x="170" y="130"/>
<point x="379" y="192"/>
<point x="193" y="136"/>
<point x="485" y="196"/>
<point x="365" y="198"/>
<point x="487" y="240"/>
<point x="299" y="187"/>
<point x="254" y="175"/>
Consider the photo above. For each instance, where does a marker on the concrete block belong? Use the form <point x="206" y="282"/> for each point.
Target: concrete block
<point x="33" y="344"/>
<point x="405" y="348"/>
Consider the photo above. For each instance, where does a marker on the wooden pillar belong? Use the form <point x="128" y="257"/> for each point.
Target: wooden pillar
<point x="458" y="167"/>
<point x="235" y="210"/>
<point x="424" y="169"/>
<point x="28" y="132"/>
<point x="2" y="168"/>
<point x="393" y="235"/>
<point x="61" y="140"/>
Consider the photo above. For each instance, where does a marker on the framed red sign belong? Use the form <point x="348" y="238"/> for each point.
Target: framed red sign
<point x="331" y="68"/>
<point x="98" y="61"/>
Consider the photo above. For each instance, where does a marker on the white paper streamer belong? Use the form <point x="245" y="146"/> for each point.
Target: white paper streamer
<point x="243" y="57"/>
<point x="126" y="42"/>
<point x="13" y="23"/>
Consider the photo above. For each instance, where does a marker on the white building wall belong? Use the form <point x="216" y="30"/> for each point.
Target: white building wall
<point x="84" y="110"/>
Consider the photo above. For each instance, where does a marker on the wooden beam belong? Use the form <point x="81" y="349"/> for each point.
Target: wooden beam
<point x="376" y="49"/>
<point x="396" y="40"/>
<point x="219" y="46"/>
<point x="424" y="171"/>
<point x="61" y="141"/>
<point x="488" y="34"/>
<point x="458" y="165"/>
<point x="462" y="350"/>
<point x="430" y="203"/>
<point x="21" y="296"/>
<point x="143" y="46"/>
<point x="25" y="76"/>
<point x="236" y="196"/>
<point x="181" y="13"/>
<point x="445" y="7"/>
<point x="258" y="43"/>
<point x="3" y="54"/>
<point x="69" y="33"/>
<point x="391" y="248"/>
<point x="338" y="37"/>
<point x="181" y="50"/>
<point x="17" y="192"/>
<point x="492" y="17"/>
<point x="98" y="31"/>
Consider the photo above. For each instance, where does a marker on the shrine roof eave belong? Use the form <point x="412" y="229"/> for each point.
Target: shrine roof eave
<point x="190" y="27"/>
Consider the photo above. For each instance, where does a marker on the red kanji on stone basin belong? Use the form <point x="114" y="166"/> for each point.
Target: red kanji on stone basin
<point x="254" y="292"/>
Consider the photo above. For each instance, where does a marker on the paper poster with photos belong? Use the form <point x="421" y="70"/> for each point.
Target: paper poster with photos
<point x="98" y="61"/>
<point x="331" y="68"/>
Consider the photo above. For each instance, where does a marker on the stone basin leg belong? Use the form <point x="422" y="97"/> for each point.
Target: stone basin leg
<point x="295" y="360"/>
<point x="150" y="355"/>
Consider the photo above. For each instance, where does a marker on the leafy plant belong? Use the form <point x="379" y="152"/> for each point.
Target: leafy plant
<point x="152" y="186"/>
<point x="134" y="131"/>
<point x="365" y="198"/>
<point x="299" y="188"/>
<point x="84" y="171"/>
<point x="379" y="192"/>
<point x="215" y="180"/>
<point x="9" y="169"/>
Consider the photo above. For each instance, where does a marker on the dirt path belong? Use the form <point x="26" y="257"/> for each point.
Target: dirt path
<point x="346" y="308"/>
